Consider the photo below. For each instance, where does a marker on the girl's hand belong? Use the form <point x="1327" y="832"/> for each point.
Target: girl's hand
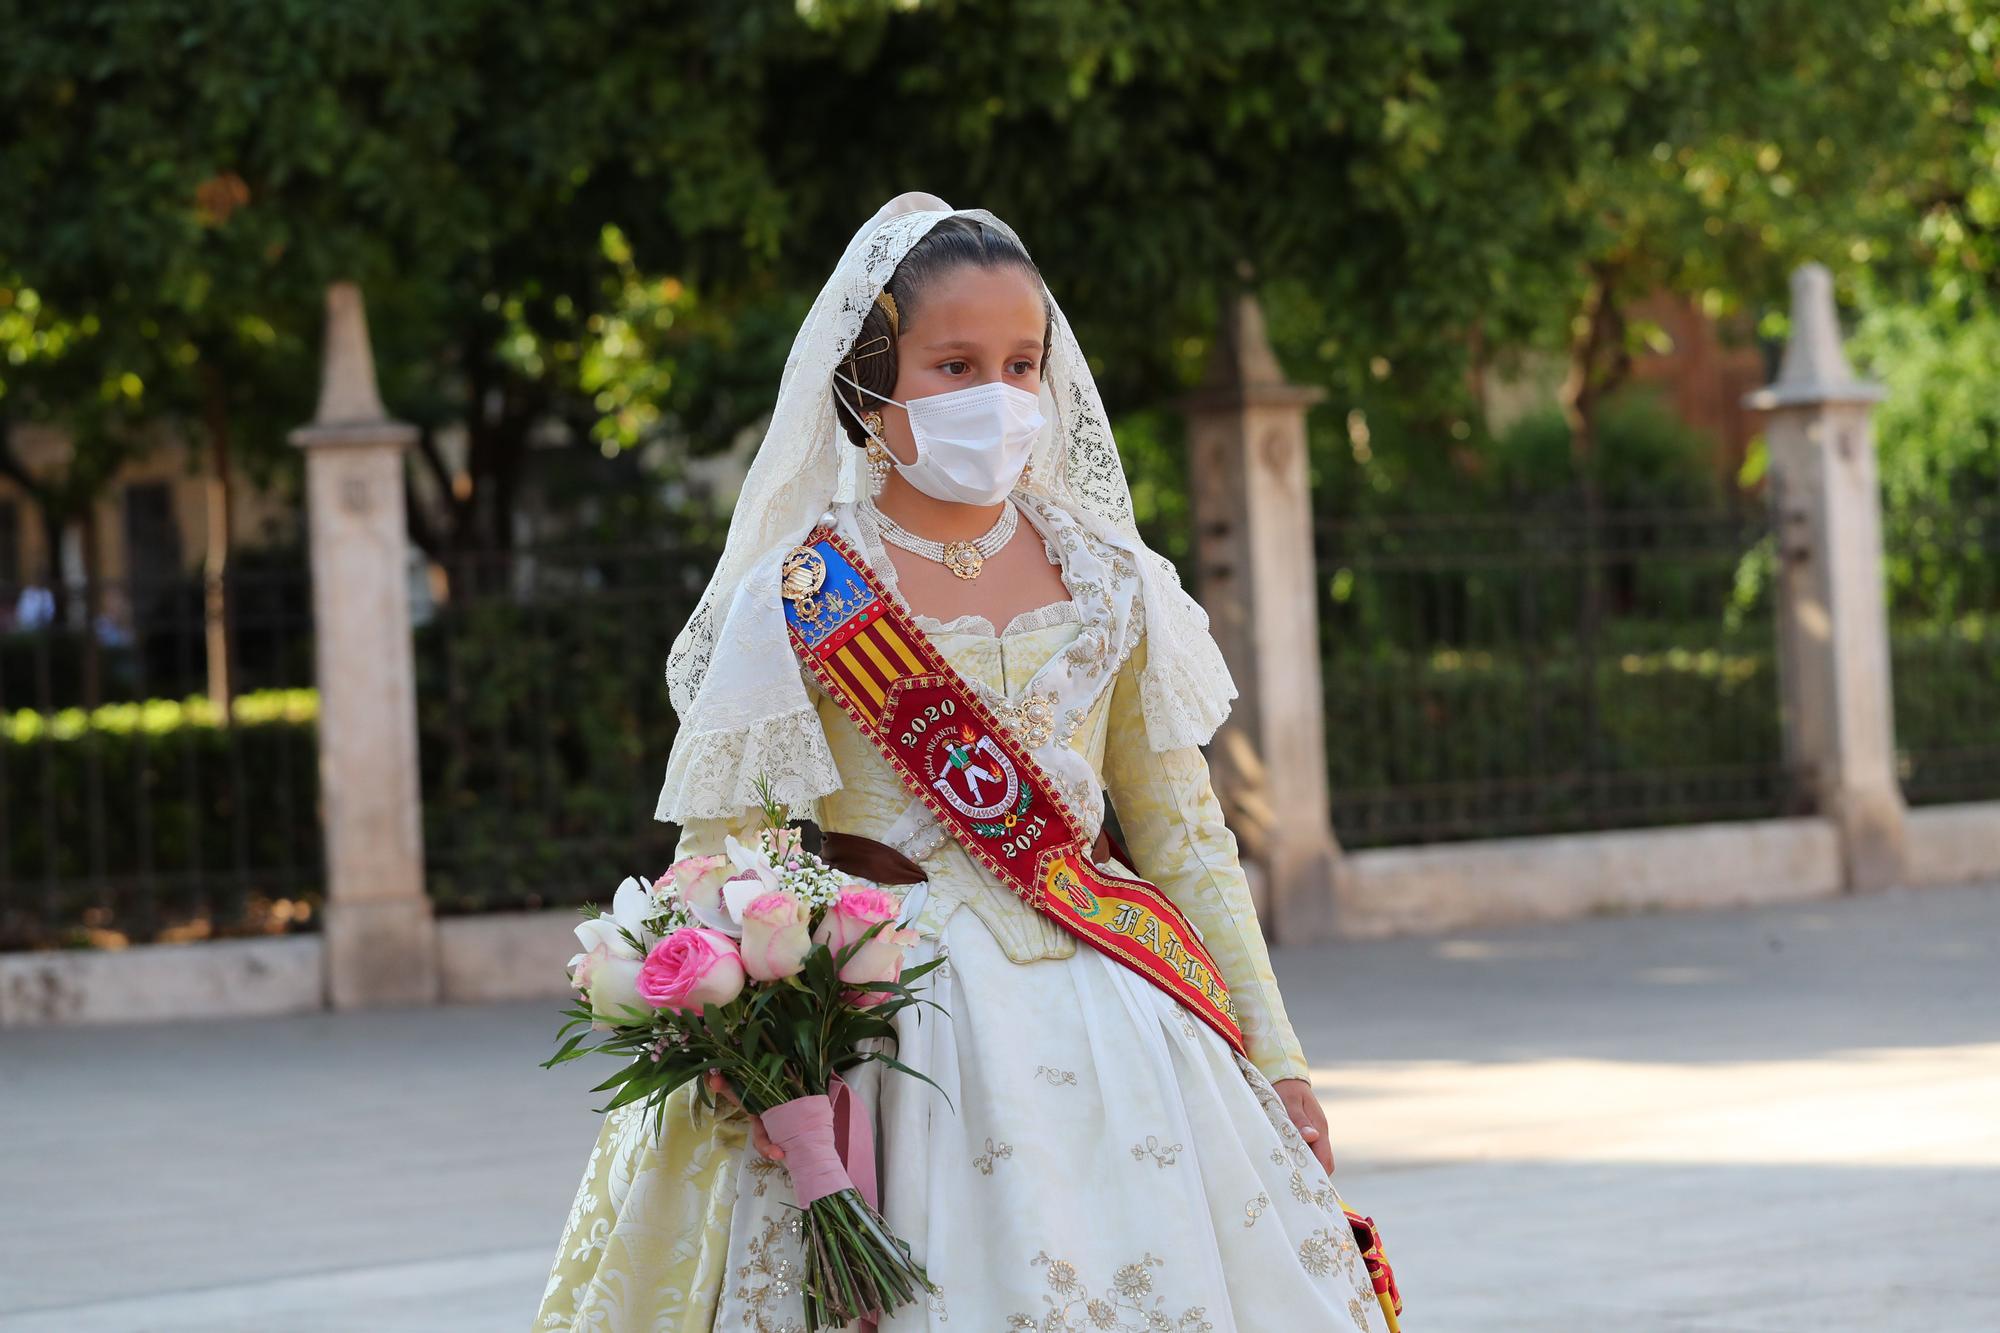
<point x="720" y="1085"/>
<point x="1304" y="1109"/>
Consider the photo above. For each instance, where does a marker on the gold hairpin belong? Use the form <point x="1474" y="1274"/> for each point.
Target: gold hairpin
<point x="869" y="348"/>
<point x="888" y="303"/>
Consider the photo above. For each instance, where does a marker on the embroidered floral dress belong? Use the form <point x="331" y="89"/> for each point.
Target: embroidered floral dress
<point x="1105" y="1161"/>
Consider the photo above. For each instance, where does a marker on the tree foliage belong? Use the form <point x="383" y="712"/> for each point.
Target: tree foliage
<point x="603" y="218"/>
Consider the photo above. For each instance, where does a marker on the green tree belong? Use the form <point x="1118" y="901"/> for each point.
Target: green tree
<point x="515" y="188"/>
<point x="1954" y="252"/>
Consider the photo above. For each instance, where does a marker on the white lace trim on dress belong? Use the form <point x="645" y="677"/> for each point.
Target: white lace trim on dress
<point x="713" y="775"/>
<point x="1034" y="618"/>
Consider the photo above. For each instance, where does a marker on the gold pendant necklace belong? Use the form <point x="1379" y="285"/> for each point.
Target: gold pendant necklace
<point x="964" y="559"/>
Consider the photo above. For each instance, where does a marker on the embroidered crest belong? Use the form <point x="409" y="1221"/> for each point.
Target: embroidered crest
<point x="972" y="774"/>
<point x="1063" y="880"/>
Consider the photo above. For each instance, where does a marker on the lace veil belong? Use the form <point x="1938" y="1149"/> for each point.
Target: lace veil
<point x="741" y="695"/>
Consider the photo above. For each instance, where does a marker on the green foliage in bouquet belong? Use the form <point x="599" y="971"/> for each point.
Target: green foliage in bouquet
<point x="774" y="1042"/>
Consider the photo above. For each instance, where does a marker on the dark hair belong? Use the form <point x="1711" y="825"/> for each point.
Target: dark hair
<point x="951" y="244"/>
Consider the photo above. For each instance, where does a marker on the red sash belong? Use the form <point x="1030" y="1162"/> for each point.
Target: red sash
<point x="968" y="769"/>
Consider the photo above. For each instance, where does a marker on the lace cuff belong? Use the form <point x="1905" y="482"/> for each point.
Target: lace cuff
<point x="1181" y="709"/>
<point x="1184" y="695"/>
<point x="713" y="774"/>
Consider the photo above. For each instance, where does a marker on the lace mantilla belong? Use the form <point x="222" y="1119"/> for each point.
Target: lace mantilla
<point x="755" y="719"/>
<point x="804" y="464"/>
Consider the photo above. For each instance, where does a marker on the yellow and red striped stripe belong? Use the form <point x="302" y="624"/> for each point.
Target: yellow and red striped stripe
<point x="868" y="661"/>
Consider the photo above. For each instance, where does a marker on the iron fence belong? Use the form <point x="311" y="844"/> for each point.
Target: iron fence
<point x="1485" y="675"/>
<point x="544" y="723"/>
<point x="133" y="810"/>
<point x="132" y="807"/>
<point x="1944" y="647"/>
<point x="1548" y="670"/>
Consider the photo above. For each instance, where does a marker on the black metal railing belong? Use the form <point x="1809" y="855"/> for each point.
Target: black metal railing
<point x="1942" y="575"/>
<point x="544" y="722"/>
<point x="134" y="808"/>
<point x="1546" y="670"/>
<point x="1485" y="675"/>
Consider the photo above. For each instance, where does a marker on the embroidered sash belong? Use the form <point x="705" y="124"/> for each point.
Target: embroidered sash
<point x="982" y="785"/>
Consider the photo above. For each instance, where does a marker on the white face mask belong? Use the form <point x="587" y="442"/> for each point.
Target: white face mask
<point x="972" y="443"/>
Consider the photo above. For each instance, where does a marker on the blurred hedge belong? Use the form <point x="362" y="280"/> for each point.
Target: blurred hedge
<point x="1423" y="746"/>
<point x="141" y="818"/>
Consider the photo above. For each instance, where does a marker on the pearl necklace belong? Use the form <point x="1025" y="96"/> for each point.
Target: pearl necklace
<point x="964" y="559"/>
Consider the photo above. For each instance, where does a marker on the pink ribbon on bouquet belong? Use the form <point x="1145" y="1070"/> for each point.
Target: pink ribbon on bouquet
<point x="828" y="1141"/>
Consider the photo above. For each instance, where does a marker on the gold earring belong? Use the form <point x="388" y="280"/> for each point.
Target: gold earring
<point x="878" y="457"/>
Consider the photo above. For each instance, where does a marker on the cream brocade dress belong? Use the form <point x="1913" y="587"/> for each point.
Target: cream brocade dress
<point x="1105" y="1161"/>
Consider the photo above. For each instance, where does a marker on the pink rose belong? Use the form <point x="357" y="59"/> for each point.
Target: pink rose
<point x="775" y="943"/>
<point x="850" y="915"/>
<point x="879" y="959"/>
<point x="698" y="881"/>
<point x="692" y="967"/>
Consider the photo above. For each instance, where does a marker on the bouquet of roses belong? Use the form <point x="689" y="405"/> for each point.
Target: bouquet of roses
<point x="768" y="965"/>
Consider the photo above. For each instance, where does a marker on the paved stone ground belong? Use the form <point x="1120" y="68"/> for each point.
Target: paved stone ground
<point x="1743" y="1122"/>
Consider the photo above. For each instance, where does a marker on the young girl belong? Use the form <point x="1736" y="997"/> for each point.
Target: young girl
<point x="1107" y="1158"/>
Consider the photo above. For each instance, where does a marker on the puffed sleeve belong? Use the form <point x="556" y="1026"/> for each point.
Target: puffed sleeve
<point x="1173" y="827"/>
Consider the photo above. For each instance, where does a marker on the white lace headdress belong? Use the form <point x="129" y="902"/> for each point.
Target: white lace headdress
<point x="740" y="693"/>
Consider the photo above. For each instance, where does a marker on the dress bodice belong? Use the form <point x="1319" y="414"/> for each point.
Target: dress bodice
<point x="872" y="799"/>
<point x="1064" y="679"/>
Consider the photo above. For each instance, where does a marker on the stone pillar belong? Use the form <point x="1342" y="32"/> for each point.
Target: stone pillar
<point x="381" y="942"/>
<point x="1250" y="494"/>
<point x="1833" y="630"/>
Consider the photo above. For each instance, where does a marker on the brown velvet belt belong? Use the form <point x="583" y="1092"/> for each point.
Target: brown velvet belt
<point x="852" y="854"/>
<point x="866" y="858"/>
